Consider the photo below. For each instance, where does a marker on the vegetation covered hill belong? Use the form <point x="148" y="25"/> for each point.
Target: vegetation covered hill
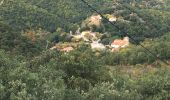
<point x="29" y="70"/>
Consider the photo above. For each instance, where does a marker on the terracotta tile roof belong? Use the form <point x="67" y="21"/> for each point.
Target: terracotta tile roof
<point x="67" y="49"/>
<point x="120" y="43"/>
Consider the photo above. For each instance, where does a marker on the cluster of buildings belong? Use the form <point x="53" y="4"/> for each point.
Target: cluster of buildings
<point x="116" y="45"/>
<point x="94" y="43"/>
<point x="93" y="38"/>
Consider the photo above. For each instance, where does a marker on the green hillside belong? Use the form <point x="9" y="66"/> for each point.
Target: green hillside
<point x="62" y="50"/>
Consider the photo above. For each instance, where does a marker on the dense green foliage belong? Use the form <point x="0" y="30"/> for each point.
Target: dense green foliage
<point x="29" y="70"/>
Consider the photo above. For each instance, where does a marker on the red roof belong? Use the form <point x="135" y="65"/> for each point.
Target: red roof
<point x="120" y="42"/>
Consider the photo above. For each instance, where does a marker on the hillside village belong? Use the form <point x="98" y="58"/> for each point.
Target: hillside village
<point x="92" y="38"/>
